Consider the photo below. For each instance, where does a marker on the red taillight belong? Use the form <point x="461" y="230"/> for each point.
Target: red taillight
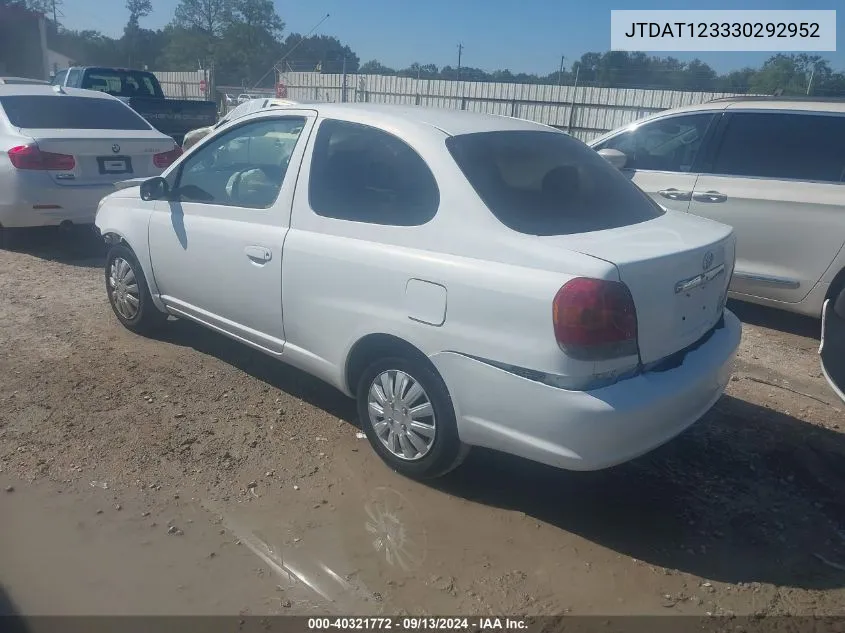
<point x="166" y="159"/>
<point x="30" y="157"/>
<point x="595" y="319"/>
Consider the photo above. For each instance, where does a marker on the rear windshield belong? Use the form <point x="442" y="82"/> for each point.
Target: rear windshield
<point x="548" y="183"/>
<point x="122" y="83"/>
<point x="72" y="113"/>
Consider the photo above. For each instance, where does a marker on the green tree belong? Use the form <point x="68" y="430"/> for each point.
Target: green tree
<point x="132" y="35"/>
<point x="323" y="51"/>
<point x="374" y="67"/>
<point x="789" y="74"/>
<point x="258" y="14"/>
<point x="209" y="16"/>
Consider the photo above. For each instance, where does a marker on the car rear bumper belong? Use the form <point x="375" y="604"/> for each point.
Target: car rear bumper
<point x="580" y="430"/>
<point x="51" y="205"/>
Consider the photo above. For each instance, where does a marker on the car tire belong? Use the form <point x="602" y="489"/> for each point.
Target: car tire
<point x="131" y="302"/>
<point x="443" y="452"/>
<point x="838" y="305"/>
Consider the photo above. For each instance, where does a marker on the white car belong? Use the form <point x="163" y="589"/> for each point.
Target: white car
<point x="253" y="105"/>
<point x="61" y="150"/>
<point x="472" y="280"/>
<point x="8" y="81"/>
<point x="772" y="168"/>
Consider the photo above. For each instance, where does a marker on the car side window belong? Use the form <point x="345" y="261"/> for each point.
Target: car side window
<point x="73" y="77"/>
<point x="670" y="144"/>
<point x="783" y="146"/>
<point x="243" y="167"/>
<point x="59" y="79"/>
<point x="363" y="174"/>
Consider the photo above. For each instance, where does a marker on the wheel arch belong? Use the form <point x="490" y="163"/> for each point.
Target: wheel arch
<point x="369" y="348"/>
<point x="114" y="237"/>
<point x="837" y="285"/>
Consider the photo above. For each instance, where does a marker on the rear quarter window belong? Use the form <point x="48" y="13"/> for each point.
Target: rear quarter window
<point x="72" y="113"/>
<point x="548" y="183"/>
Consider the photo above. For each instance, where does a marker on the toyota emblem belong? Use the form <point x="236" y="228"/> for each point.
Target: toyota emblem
<point x="115" y="148"/>
<point x="708" y="260"/>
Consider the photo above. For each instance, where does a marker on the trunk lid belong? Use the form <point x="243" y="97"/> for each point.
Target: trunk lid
<point x="102" y="157"/>
<point x="677" y="268"/>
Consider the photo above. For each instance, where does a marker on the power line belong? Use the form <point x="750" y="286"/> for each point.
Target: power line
<point x="286" y="55"/>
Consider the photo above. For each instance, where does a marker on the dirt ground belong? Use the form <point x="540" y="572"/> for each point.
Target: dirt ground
<point x="189" y="474"/>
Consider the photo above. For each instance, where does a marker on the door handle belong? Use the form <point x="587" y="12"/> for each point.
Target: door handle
<point x="708" y="196"/>
<point x="675" y="194"/>
<point x="258" y="254"/>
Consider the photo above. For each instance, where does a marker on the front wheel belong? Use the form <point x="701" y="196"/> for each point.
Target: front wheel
<point x="128" y="292"/>
<point x="408" y="417"/>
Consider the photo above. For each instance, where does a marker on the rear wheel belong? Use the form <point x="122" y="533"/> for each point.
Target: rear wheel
<point x="408" y="417"/>
<point x="128" y="292"/>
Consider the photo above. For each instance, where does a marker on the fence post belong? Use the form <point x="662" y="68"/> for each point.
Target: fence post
<point x="463" y="103"/>
<point x="513" y="108"/>
<point x="343" y="85"/>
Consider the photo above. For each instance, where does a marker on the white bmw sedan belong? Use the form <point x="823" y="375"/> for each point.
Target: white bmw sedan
<point x="61" y="151"/>
<point x="471" y="280"/>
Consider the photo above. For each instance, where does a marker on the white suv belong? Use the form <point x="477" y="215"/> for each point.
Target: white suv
<point x="772" y="168"/>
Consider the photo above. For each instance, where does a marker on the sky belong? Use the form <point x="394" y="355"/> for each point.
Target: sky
<point x="520" y="35"/>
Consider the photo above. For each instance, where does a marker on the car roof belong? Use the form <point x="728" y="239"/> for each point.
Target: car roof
<point x="784" y="103"/>
<point x="48" y="90"/>
<point x="22" y="81"/>
<point x="110" y="68"/>
<point x="803" y="104"/>
<point x="450" y="122"/>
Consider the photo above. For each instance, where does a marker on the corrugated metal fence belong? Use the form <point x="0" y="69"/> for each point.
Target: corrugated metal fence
<point x="186" y="84"/>
<point x="585" y="111"/>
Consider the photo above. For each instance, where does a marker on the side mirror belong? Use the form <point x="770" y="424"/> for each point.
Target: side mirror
<point x="154" y="189"/>
<point x="614" y="157"/>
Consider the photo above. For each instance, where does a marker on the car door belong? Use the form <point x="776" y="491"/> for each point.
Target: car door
<point x="216" y="245"/>
<point x="662" y="155"/>
<point x="776" y="177"/>
<point x="358" y="256"/>
<point x="832" y="348"/>
<point x="74" y="76"/>
<point x="59" y="78"/>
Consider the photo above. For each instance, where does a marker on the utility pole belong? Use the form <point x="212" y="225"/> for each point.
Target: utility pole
<point x="460" y="51"/>
<point x="810" y="83"/>
<point x="55" y="19"/>
<point x="560" y="72"/>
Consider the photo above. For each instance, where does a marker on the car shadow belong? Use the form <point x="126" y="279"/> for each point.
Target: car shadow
<point x="77" y="246"/>
<point x="746" y="495"/>
<point x="292" y="381"/>
<point x="774" y="319"/>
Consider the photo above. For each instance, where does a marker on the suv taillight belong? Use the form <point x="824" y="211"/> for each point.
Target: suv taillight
<point x="166" y="159"/>
<point x="30" y="157"/>
<point x="595" y="319"/>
